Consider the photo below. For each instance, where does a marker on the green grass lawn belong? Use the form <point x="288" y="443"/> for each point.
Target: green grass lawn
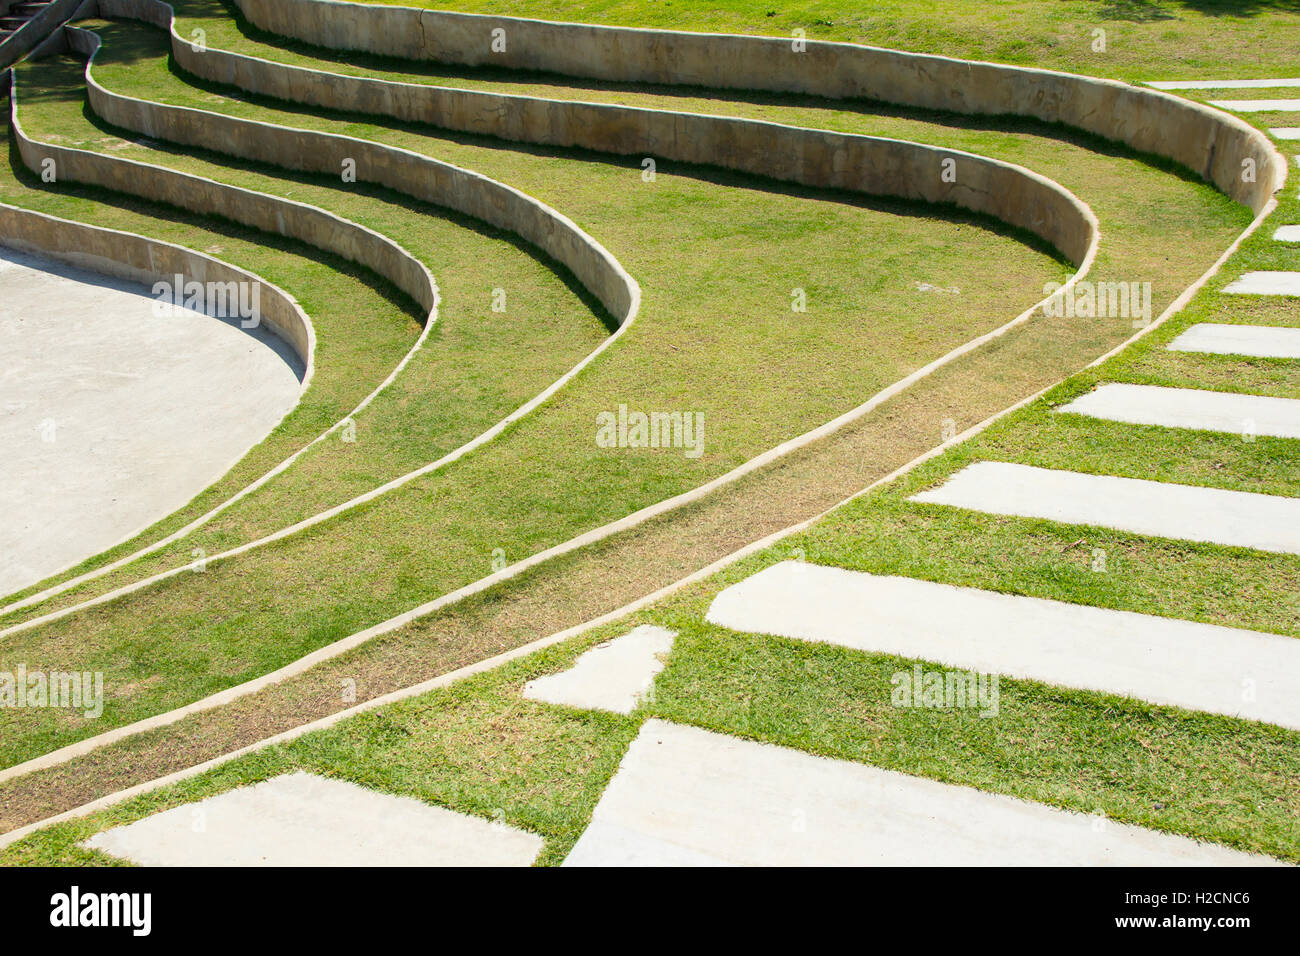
<point x="1144" y="39"/>
<point x="479" y="748"/>
<point x="546" y="480"/>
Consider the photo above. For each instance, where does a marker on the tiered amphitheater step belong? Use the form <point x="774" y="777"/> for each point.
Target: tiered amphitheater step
<point x="17" y="14"/>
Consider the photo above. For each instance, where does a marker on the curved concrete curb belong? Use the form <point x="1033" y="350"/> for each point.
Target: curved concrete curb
<point x="1205" y="140"/>
<point x="414" y="174"/>
<point x="136" y="258"/>
<point x="1072" y="222"/>
<point x="872" y="165"/>
<point x="139" y="259"/>
<point x="462" y="190"/>
<point x="621" y="290"/>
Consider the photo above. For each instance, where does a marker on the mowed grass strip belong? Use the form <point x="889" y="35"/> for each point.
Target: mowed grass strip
<point x="717" y="256"/>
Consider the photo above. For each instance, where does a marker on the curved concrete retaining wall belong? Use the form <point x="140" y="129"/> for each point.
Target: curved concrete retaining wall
<point x="1207" y="141"/>
<point x="136" y="258"/>
<point x="272" y="214"/>
<point x="818" y="158"/>
<point x="442" y="184"/>
<point x="107" y="170"/>
<point x="126" y="255"/>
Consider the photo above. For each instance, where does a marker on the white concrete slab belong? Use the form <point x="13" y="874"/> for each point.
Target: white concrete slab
<point x="1275" y="84"/>
<point x="112" y="417"/>
<point x="613" y="676"/>
<point x="1286" y="132"/>
<point x="1257" y="106"/>
<point x="1287" y="234"/>
<point x="1239" y="518"/>
<point x="1265" y="283"/>
<point x="1261" y="341"/>
<point x="1205" y="667"/>
<point x="300" y="819"/>
<point x="1190" y="408"/>
<point x="686" y="796"/>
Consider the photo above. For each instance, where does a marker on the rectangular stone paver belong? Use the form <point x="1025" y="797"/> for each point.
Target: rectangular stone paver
<point x="1246" y="415"/>
<point x="1240" y="518"/>
<point x="300" y="819"/>
<point x="1161" y="660"/>
<point x="684" y="796"/>
<point x="613" y="676"/>
<point x="1273" y="84"/>
<point x="1261" y="341"/>
<point x="1265" y="283"/>
<point x="1257" y="106"/>
<point x="1286" y="132"/>
<point x="1287" y="234"/>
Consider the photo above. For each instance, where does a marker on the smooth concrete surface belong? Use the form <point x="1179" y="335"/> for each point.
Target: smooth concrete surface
<point x="1191" y="408"/>
<point x="112" y="417"/>
<point x="1265" y="283"/>
<point x="1197" y="666"/>
<point x="1275" y="84"/>
<point x="1208" y="141"/>
<point x="1286" y="132"/>
<point x="1287" y="234"/>
<point x="300" y="819"/>
<point x="1260" y="341"/>
<point x="1237" y="518"/>
<point x="684" y="796"/>
<point x="1257" y="106"/>
<point x="614" y="676"/>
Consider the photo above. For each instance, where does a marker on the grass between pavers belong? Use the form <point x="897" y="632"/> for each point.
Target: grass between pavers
<point x="717" y="340"/>
<point x="885" y="534"/>
<point x="1144" y="39"/>
<point x="479" y="748"/>
<point x="1134" y="202"/>
<point x="477" y="366"/>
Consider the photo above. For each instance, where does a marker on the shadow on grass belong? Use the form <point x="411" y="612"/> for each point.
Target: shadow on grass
<point x="999" y="123"/>
<point x="141" y="38"/>
<point x="226" y="227"/>
<point x="1152" y="11"/>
